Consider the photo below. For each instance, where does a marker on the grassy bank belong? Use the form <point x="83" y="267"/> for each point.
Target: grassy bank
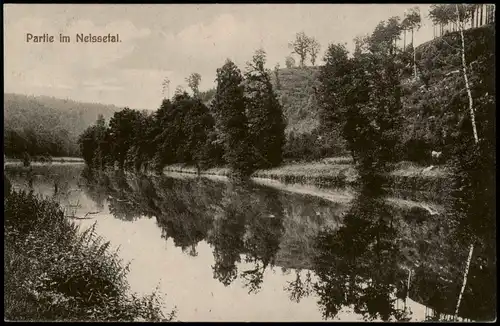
<point x="54" y="272"/>
<point x="431" y="184"/>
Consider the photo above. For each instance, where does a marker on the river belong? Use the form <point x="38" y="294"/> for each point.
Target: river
<point x="258" y="251"/>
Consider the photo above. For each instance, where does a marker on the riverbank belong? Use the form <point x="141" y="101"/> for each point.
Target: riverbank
<point x="42" y="159"/>
<point x="55" y="272"/>
<point x="423" y="183"/>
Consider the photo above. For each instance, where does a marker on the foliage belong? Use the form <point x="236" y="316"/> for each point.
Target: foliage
<point x="314" y="48"/>
<point x="361" y="97"/>
<point x="231" y="120"/>
<point x="47" y="126"/>
<point x="300" y="46"/>
<point x="55" y="272"/>
<point x="194" y="82"/>
<point x="327" y="110"/>
<point x="179" y="131"/>
<point x="413" y="20"/>
<point x="265" y="114"/>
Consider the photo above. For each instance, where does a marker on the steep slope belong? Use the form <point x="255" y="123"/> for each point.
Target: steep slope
<point x="295" y="88"/>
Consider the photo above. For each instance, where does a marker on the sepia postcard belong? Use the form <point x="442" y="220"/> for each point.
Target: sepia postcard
<point x="249" y="162"/>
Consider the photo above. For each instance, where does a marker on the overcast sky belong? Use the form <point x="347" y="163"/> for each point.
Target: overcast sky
<point x="161" y="41"/>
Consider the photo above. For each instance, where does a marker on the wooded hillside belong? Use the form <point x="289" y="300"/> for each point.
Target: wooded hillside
<point x="42" y="125"/>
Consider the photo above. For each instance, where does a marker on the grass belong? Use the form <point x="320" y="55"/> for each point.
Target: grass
<point x="340" y="172"/>
<point x="182" y="168"/>
<point x="55" y="272"/>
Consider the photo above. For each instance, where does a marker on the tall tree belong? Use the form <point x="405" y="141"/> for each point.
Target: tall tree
<point x="404" y="28"/>
<point x="472" y="10"/>
<point x="413" y="21"/>
<point x="300" y="46"/>
<point x="384" y="37"/>
<point x="166" y="134"/>
<point x="334" y="82"/>
<point x="314" y="48"/>
<point x="459" y="21"/>
<point x="440" y="15"/>
<point x="232" y="123"/>
<point x="124" y="128"/>
<point x="264" y="112"/>
<point x="194" y="83"/>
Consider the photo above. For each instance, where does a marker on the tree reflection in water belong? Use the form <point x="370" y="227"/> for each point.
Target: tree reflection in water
<point x="299" y="289"/>
<point x="250" y="223"/>
<point x="357" y="264"/>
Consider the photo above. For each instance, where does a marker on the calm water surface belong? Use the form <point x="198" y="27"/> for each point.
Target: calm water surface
<point x="223" y="251"/>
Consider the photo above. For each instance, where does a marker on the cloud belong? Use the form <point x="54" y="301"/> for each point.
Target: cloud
<point x="202" y="48"/>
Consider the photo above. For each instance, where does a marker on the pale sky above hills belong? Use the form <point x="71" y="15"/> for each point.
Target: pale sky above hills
<point x="171" y="41"/>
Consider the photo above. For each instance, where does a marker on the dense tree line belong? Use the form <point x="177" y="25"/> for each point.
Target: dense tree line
<point x="381" y="101"/>
<point x="409" y="103"/>
<point x="28" y="141"/>
<point x="46" y="126"/>
<point x="446" y="17"/>
<point x="243" y="127"/>
<point x="361" y="97"/>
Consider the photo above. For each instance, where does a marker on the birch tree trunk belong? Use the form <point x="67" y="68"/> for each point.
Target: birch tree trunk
<point x="464" y="68"/>
<point x="408" y="288"/>
<point x="414" y="56"/>
<point x="465" y="280"/>
<point x="404" y="40"/>
<point x="476" y="139"/>
<point x="482" y="14"/>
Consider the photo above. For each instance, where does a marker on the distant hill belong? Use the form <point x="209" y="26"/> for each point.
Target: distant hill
<point x="47" y="125"/>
